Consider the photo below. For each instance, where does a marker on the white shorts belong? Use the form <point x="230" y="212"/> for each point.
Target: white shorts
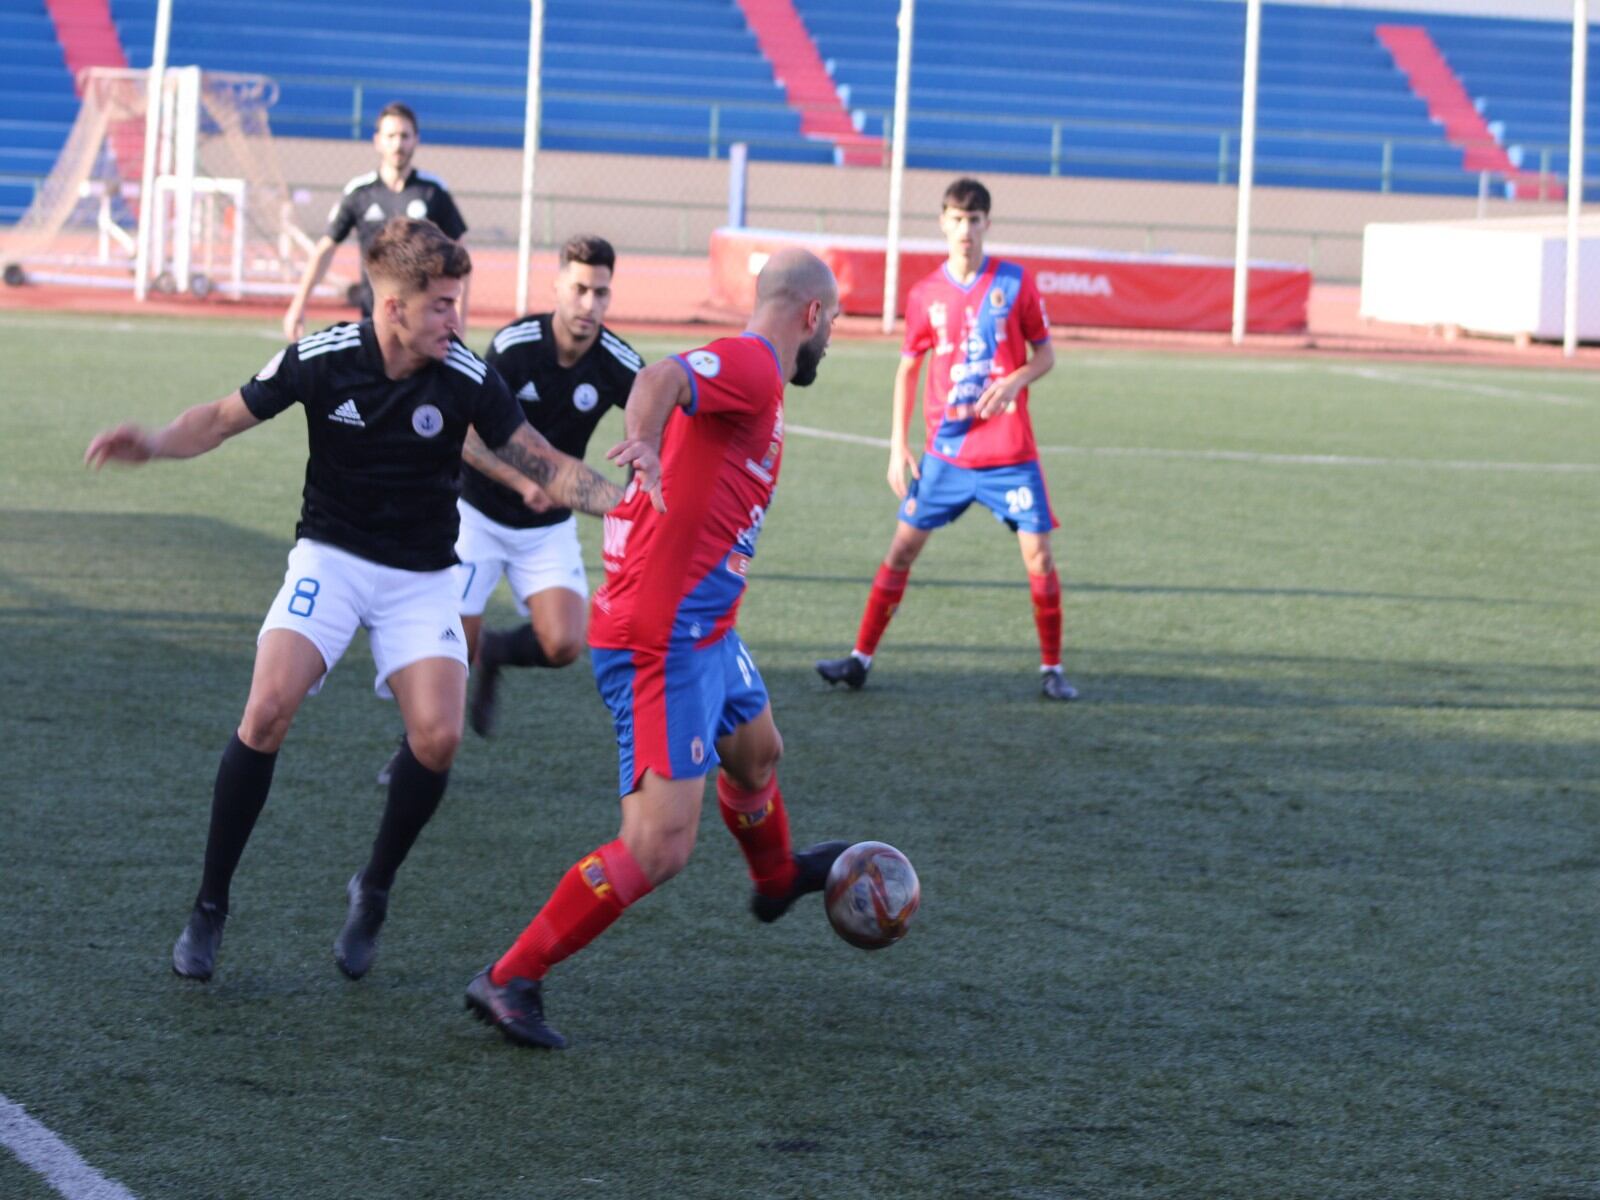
<point x="328" y="593"/>
<point x="531" y="560"/>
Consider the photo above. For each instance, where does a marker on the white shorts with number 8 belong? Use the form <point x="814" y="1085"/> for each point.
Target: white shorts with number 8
<point x="329" y="593"/>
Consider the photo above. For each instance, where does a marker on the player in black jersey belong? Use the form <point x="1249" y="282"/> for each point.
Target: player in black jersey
<point x="395" y="189"/>
<point x="567" y="369"/>
<point x="392" y="405"/>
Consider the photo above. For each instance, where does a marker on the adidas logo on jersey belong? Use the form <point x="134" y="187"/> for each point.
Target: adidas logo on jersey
<point x="528" y="392"/>
<point x="373" y="213"/>
<point x="347" y="414"/>
<point x="449" y="635"/>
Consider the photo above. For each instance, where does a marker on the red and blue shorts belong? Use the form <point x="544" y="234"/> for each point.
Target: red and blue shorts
<point x="1015" y="494"/>
<point x="670" y="709"/>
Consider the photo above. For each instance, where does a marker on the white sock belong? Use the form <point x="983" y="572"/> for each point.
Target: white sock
<point x="1048" y="670"/>
<point x="864" y="659"/>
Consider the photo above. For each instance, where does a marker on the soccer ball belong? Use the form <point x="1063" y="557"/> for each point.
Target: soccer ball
<point x="871" y="895"/>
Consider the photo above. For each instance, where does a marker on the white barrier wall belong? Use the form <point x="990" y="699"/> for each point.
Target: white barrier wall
<point x="1505" y="277"/>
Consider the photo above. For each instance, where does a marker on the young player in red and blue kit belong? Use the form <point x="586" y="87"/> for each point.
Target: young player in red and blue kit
<point x="684" y="693"/>
<point x="978" y="317"/>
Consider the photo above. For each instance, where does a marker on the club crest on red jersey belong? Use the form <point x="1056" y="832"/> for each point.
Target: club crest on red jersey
<point x="705" y="363"/>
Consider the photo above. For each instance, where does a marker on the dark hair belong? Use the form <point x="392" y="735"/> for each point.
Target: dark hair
<point x="413" y="254"/>
<point x="966" y="195"/>
<point x="395" y="109"/>
<point x="589" y="250"/>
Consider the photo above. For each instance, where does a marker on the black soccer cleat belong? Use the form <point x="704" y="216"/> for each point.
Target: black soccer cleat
<point x="485" y="685"/>
<point x="357" y="944"/>
<point x="194" y="954"/>
<point x="516" y="1010"/>
<point x="386" y="772"/>
<point x="811" y="875"/>
<point x="849" y="670"/>
<point x="1054" y="686"/>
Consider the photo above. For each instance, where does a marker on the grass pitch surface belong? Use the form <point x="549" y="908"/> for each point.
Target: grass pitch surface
<point x="1299" y="901"/>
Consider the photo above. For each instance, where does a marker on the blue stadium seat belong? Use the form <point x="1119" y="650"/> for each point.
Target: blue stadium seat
<point x="619" y="75"/>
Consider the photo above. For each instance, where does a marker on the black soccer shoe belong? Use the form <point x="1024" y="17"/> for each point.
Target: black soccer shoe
<point x="357" y="944"/>
<point x="516" y="1010"/>
<point x="194" y="954"/>
<point x="386" y="772"/>
<point x="485" y="685"/>
<point x="1054" y="686"/>
<point x="811" y="875"/>
<point x="848" y="670"/>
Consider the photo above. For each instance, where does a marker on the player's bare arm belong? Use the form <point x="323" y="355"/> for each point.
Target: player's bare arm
<point x="294" y="320"/>
<point x="567" y="481"/>
<point x="195" y="431"/>
<point x="657" y="390"/>
<point x="1002" y="393"/>
<point x="478" y="456"/>
<point x="901" y="457"/>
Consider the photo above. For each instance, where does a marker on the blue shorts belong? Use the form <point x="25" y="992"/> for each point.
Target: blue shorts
<point x="1015" y="494"/>
<point x="669" y="710"/>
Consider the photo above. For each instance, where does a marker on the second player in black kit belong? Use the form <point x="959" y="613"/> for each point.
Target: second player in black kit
<point x="566" y="369"/>
<point x="565" y="404"/>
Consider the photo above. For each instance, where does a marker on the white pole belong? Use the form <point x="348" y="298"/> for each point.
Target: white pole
<point x="897" y="166"/>
<point x="152" y="131"/>
<point x="1247" y="167"/>
<point x="1580" y="66"/>
<point x="530" y="152"/>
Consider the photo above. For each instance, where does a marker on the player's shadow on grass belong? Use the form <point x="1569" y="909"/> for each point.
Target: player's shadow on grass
<point x="1196" y="680"/>
<point x="1020" y="584"/>
<point x="136" y="568"/>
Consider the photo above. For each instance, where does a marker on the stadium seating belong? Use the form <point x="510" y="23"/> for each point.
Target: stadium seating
<point x="619" y="75"/>
<point x="1091" y="92"/>
<point x="1076" y="87"/>
<point x="37" y="103"/>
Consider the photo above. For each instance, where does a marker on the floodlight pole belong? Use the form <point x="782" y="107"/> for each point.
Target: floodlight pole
<point x="1580" y="66"/>
<point x="148" y="205"/>
<point x="530" y="152"/>
<point x="897" y="166"/>
<point x="1247" y="168"/>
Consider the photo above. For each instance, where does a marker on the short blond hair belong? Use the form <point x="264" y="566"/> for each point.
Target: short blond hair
<point x="412" y="254"/>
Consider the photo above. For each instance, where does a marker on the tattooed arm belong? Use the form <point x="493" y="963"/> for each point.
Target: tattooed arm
<point x="564" y="479"/>
<point x="478" y="456"/>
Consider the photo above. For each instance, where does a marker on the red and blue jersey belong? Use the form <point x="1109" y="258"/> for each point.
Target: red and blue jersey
<point x="677" y="577"/>
<point x="977" y="333"/>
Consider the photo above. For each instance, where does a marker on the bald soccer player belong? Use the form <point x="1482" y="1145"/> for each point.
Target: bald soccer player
<point x="683" y="691"/>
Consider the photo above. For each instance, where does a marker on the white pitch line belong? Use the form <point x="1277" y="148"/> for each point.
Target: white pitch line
<point x="58" y="1162"/>
<point x="1252" y="456"/>
<point x="1408" y="379"/>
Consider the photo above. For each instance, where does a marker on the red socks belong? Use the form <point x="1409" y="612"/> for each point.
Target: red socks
<point x="590" y="896"/>
<point x="760" y="824"/>
<point x="1046" y="591"/>
<point x="887" y="589"/>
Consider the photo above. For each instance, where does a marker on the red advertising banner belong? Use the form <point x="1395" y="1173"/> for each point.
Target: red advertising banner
<point x="1080" y="287"/>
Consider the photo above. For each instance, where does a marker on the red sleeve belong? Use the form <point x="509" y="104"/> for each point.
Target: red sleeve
<point x="919" y="330"/>
<point x="731" y="375"/>
<point x="1031" y="310"/>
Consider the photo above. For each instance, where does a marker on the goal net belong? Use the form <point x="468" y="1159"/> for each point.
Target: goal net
<point x="220" y="217"/>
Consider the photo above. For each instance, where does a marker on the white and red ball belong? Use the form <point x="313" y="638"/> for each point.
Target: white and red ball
<point x="871" y="895"/>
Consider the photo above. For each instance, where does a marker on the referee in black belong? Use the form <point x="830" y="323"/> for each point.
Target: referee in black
<point x="395" y="189"/>
<point x="391" y="406"/>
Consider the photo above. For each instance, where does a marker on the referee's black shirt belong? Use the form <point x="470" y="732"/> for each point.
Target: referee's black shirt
<point x="368" y="202"/>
